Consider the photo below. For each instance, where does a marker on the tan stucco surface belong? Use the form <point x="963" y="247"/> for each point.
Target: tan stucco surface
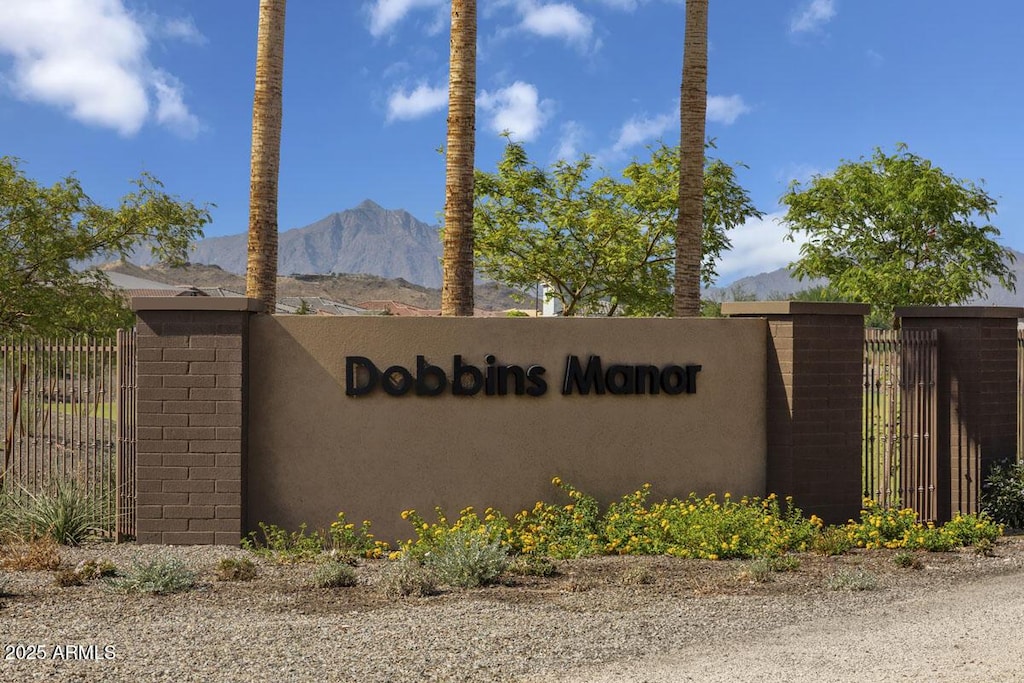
<point x="313" y="451"/>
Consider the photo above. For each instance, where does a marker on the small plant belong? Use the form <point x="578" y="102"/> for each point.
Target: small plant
<point x="853" y="580"/>
<point x="758" y="571"/>
<point x="236" y="569"/>
<point x="66" y="578"/>
<point x="334" y="574"/>
<point x="1002" y="495"/>
<point x="467" y="558"/>
<point x="907" y="560"/>
<point x="286" y="547"/>
<point x="783" y="563"/>
<point x="88" y="570"/>
<point x="532" y="565"/>
<point x="69" y="515"/>
<point x="984" y="547"/>
<point x="39" y="554"/>
<point x="346" y="539"/>
<point x="158" y="577"/>
<point x="831" y="541"/>
<point x="406" y="577"/>
<point x="560" y="531"/>
<point x="638" y="576"/>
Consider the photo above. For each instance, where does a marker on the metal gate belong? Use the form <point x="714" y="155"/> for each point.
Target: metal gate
<point x="900" y="455"/>
<point x="67" y="414"/>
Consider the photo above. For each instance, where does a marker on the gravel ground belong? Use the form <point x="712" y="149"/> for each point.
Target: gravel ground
<point x="957" y="617"/>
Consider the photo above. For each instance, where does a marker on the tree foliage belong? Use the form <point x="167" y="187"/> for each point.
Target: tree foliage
<point x="603" y="245"/>
<point x="895" y="230"/>
<point x="45" y="230"/>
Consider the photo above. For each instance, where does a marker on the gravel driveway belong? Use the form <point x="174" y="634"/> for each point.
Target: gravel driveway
<point x="957" y="617"/>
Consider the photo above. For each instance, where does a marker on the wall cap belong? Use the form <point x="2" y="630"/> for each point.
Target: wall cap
<point x="959" y="312"/>
<point x="761" y="308"/>
<point x="195" y="303"/>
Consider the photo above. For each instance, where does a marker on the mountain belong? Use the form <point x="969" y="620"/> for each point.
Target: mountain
<point x="778" y="283"/>
<point x="366" y="239"/>
<point x="349" y="289"/>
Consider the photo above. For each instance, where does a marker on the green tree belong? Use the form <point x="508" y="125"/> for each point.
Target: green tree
<point x="895" y="230"/>
<point x="45" y="230"/>
<point x="603" y="245"/>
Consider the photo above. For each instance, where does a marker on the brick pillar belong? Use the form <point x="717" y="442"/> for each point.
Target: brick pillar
<point x="191" y="419"/>
<point x="815" y="402"/>
<point x="977" y="395"/>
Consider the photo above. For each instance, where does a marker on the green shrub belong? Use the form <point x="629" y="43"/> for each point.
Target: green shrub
<point x="706" y="528"/>
<point x="66" y="578"/>
<point x="236" y="569"/>
<point x="1002" y="495"/>
<point x="898" y="528"/>
<point x="158" y="576"/>
<point x="69" y="514"/>
<point x="286" y="547"/>
<point x="561" y="531"/>
<point x="467" y="558"/>
<point x="406" y="577"/>
<point x="95" y="569"/>
<point x="832" y="541"/>
<point x="334" y="574"/>
<point x="347" y="540"/>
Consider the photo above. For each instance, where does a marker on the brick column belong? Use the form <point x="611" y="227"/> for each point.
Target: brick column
<point x="191" y="418"/>
<point x="977" y="395"/>
<point x="815" y="402"/>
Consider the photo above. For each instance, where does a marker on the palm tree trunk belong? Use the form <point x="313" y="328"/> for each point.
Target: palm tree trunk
<point x="261" y="269"/>
<point x="457" y="275"/>
<point x="693" y="97"/>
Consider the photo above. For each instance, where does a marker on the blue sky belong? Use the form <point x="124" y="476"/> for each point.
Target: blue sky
<point x="108" y="88"/>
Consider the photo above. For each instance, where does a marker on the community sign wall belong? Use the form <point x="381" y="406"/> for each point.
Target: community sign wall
<point x="373" y="416"/>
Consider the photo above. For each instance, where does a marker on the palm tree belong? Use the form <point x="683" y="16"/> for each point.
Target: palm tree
<point x="457" y="277"/>
<point x="261" y="270"/>
<point x="693" y="103"/>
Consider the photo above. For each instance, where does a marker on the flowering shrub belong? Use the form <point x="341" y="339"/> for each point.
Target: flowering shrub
<point x="347" y="540"/>
<point x="706" y="528"/>
<point x="561" y="531"/>
<point x="898" y="528"/>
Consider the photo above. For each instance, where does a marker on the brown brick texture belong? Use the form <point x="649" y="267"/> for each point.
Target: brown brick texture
<point x="191" y="431"/>
<point x="814" y="412"/>
<point x="977" y="400"/>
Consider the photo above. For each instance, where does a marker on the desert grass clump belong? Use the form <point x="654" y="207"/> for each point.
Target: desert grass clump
<point x="235" y="569"/>
<point x="39" y="554"/>
<point x="158" y="577"/>
<point x="69" y="514"/>
<point x="334" y="574"/>
<point x="853" y="580"/>
<point x="405" y="577"/>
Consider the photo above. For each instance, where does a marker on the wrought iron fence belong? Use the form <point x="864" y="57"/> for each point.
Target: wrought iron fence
<point x="68" y="416"/>
<point x="899" y="453"/>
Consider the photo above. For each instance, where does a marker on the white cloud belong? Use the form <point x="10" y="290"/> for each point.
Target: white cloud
<point x="384" y="14"/>
<point x="517" y="109"/>
<point x="725" y="109"/>
<point x="183" y="29"/>
<point x="758" y="246"/>
<point x="88" y="57"/>
<point x="641" y="129"/>
<point x="421" y="101"/>
<point x="571" y="137"/>
<point x="816" y="14"/>
<point x="170" y="108"/>
<point x="559" y="20"/>
<point x="875" y="58"/>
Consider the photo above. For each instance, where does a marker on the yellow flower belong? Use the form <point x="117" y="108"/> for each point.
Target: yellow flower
<point x="557" y="481"/>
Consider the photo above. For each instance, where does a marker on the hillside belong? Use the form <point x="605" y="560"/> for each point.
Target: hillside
<point x="345" y="288"/>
